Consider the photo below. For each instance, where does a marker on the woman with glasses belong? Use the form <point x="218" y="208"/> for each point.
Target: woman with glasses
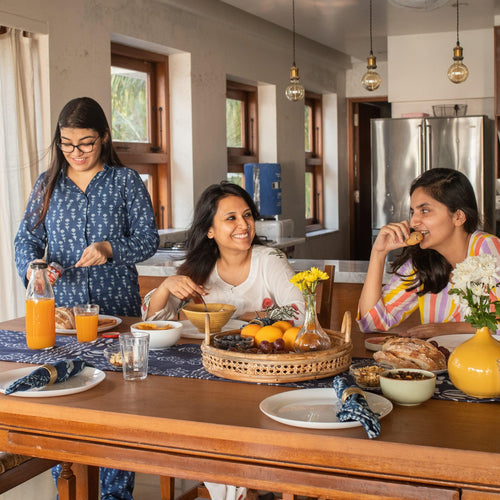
<point x="91" y="214"/>
<point x="88" y="211"/>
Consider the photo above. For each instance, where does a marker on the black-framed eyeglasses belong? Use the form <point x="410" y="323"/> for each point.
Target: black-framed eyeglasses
<point x="84" y="147"/>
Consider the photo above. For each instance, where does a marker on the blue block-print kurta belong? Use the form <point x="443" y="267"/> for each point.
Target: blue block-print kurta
<point x="115" y="207"/>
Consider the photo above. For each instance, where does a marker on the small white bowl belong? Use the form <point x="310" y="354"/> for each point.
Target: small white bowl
<point x="408" y="392"/>
<point x="159" y="336"/>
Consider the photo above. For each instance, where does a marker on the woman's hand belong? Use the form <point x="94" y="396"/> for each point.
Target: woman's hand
<point x="96" y="254"/>
<point x="428" y="330"/>
<point x="391" y="237"/>
<point x="182" y="287"/>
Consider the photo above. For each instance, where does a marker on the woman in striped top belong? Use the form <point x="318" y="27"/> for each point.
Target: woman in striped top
<point x="443" y="208"/>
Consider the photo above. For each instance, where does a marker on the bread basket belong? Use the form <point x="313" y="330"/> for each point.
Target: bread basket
<point x="280" y="368"/>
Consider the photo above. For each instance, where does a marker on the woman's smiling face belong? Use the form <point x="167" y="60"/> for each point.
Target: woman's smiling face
<point x="233" y="225"/>
<point x="87" y="139"/>
<point x="433" y="219"/>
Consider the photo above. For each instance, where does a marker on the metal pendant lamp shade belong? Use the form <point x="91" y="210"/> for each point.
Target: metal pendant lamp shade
<point x="295" y="90"/>
<point x="371" y="79"/>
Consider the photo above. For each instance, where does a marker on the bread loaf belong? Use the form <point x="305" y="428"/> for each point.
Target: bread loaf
<point x="65" y="318"/>
<point x="411" y="353"/>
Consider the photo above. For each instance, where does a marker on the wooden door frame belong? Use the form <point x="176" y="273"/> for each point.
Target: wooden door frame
<point x="350" y="155"/>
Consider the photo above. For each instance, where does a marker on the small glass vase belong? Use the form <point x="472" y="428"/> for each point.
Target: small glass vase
<point x="311" y="336"/>
<point x="473" y="366"/>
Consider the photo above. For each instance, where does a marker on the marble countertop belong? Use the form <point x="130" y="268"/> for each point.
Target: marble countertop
<point x="346" y="271"/>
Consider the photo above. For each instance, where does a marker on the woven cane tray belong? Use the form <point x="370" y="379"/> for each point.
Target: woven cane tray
<point x="280" y="368"/>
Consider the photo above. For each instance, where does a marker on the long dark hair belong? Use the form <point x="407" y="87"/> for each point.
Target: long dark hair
<point x="453" y="189"/>
<point x="82" y="112"/>
<point x="202" y="251"/>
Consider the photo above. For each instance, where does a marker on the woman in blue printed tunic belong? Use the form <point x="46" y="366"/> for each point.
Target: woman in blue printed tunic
<point x="90" y="212"/>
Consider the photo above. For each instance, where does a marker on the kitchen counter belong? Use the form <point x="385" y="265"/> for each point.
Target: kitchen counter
<point x="346" y="271"/>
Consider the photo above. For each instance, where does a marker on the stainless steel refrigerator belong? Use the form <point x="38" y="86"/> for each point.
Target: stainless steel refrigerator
<point x="403" y="148"/>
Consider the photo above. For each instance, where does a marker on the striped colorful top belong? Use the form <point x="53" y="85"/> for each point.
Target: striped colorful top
<point x="397" y="303"/>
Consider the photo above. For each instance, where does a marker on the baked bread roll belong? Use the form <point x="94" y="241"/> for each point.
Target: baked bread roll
<point x="415" y="238"/>
<point x="411" y="353"/>
<point x="65" y="318"/>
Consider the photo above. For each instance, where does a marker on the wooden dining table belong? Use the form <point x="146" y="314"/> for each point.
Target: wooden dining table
<point x="213" y="430"/>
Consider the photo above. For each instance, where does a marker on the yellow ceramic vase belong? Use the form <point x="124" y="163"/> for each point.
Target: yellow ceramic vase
<point x="474" y="365"/>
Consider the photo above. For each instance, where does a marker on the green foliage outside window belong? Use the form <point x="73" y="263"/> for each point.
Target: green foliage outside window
<point x="233" y="123"/>
<point x="309" y="195"/>
<point x="129" y="106"/>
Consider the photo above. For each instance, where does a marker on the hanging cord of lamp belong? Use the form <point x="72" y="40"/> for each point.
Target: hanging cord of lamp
<point x="294" y="90"/>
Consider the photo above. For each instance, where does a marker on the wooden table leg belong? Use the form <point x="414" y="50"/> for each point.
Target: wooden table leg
<point x="66" y="483"/>
<point x="167" y="487"/>
<point x="87" y="481"/>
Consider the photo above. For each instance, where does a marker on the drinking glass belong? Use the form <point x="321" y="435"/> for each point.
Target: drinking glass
<point x="86" y="320"/>
<point x="135" y="351"/>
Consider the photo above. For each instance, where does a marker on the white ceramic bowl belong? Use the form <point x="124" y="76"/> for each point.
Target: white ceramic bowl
<point x="408" y="392"/>
<point x="160" y="337"/>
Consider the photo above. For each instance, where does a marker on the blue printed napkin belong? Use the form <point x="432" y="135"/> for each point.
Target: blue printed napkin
<point x="355" y="406"/>
<point x="47" y="374"/>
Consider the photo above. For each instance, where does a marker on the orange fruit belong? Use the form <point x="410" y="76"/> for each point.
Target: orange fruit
<point x="269" y="333"/>
<point x="289" y="337"/>
<point x="282" y="325"/>
<point x="250" y="330"/>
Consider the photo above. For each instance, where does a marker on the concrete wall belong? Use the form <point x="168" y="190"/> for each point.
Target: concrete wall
<point x="209" y="41"/>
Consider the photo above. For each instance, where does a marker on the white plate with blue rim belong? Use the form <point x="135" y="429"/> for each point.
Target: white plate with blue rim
<point x="316" y="408"/>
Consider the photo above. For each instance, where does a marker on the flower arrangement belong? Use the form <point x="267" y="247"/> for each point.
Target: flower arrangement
<point x="474" y="282"/>
<point x="311" y="336"/>
<point x="307" y="281"/>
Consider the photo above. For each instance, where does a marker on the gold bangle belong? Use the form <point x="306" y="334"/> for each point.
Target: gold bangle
<point x="52" y="372"/>
<point x="352" y="390"/>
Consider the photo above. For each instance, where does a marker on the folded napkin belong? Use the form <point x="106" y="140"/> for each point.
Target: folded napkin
<point x="47" y="374"/>
<point x="354" y="405"/>
<point x="225" y="491"/>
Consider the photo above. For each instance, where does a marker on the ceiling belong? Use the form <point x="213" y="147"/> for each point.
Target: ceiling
<point x="345" y="24"/>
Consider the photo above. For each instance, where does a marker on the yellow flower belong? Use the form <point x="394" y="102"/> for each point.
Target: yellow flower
<point x="306" y="281"/>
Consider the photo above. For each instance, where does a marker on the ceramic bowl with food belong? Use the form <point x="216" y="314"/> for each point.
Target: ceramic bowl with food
<point x="162" y="334"/>
<point x="408" y="386"/>
<point x="219" y="315"/>
<point x="366" y="373"/>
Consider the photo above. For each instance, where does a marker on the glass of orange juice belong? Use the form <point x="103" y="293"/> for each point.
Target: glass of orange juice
<point x="86" y="320"/>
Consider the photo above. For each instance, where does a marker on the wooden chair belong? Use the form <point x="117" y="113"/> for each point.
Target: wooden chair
<point x="16" y="469"/>
<point x="324" y="298"/>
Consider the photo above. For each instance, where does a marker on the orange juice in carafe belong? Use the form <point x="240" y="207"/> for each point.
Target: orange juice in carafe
<point x="40" y="309"/>
<point x="40" y="323"/>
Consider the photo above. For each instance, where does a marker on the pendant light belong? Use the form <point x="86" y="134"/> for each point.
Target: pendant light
<point x="458" y="71"/>
<point x="371" y="79"/>
<point x="294" y="90"/>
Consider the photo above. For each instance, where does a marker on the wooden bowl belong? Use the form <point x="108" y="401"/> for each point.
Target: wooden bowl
<point x="219" y="315"/>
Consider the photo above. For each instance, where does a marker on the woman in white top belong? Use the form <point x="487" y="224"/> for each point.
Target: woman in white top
<point x="226" y="263"/>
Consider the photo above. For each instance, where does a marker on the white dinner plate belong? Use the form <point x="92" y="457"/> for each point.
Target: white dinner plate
<point x="83" y="381"/>
<point x="452" y="341"/>
<point x="189" y="331"/>
<point x="72" y="331"/>
<point x="316" y="408"/>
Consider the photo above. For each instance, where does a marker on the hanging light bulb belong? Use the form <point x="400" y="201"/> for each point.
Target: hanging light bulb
<point x="371" y="79"/>
<point x="458" y="71"/>
<point x="295" y="90"/>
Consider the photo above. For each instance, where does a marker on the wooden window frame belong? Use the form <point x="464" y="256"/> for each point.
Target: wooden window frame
<point x="237" y="157"/>
<point x="314" y="161"/>
<point x="150" y="158"/>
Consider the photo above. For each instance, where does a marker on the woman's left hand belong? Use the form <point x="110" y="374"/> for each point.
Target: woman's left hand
<point x="96" y="254"/>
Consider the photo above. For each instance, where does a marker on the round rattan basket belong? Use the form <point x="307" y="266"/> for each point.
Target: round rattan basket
<point x="280" y="368"/>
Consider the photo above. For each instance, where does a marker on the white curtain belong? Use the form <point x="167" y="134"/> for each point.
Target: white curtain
<point x="20" y="147"/>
